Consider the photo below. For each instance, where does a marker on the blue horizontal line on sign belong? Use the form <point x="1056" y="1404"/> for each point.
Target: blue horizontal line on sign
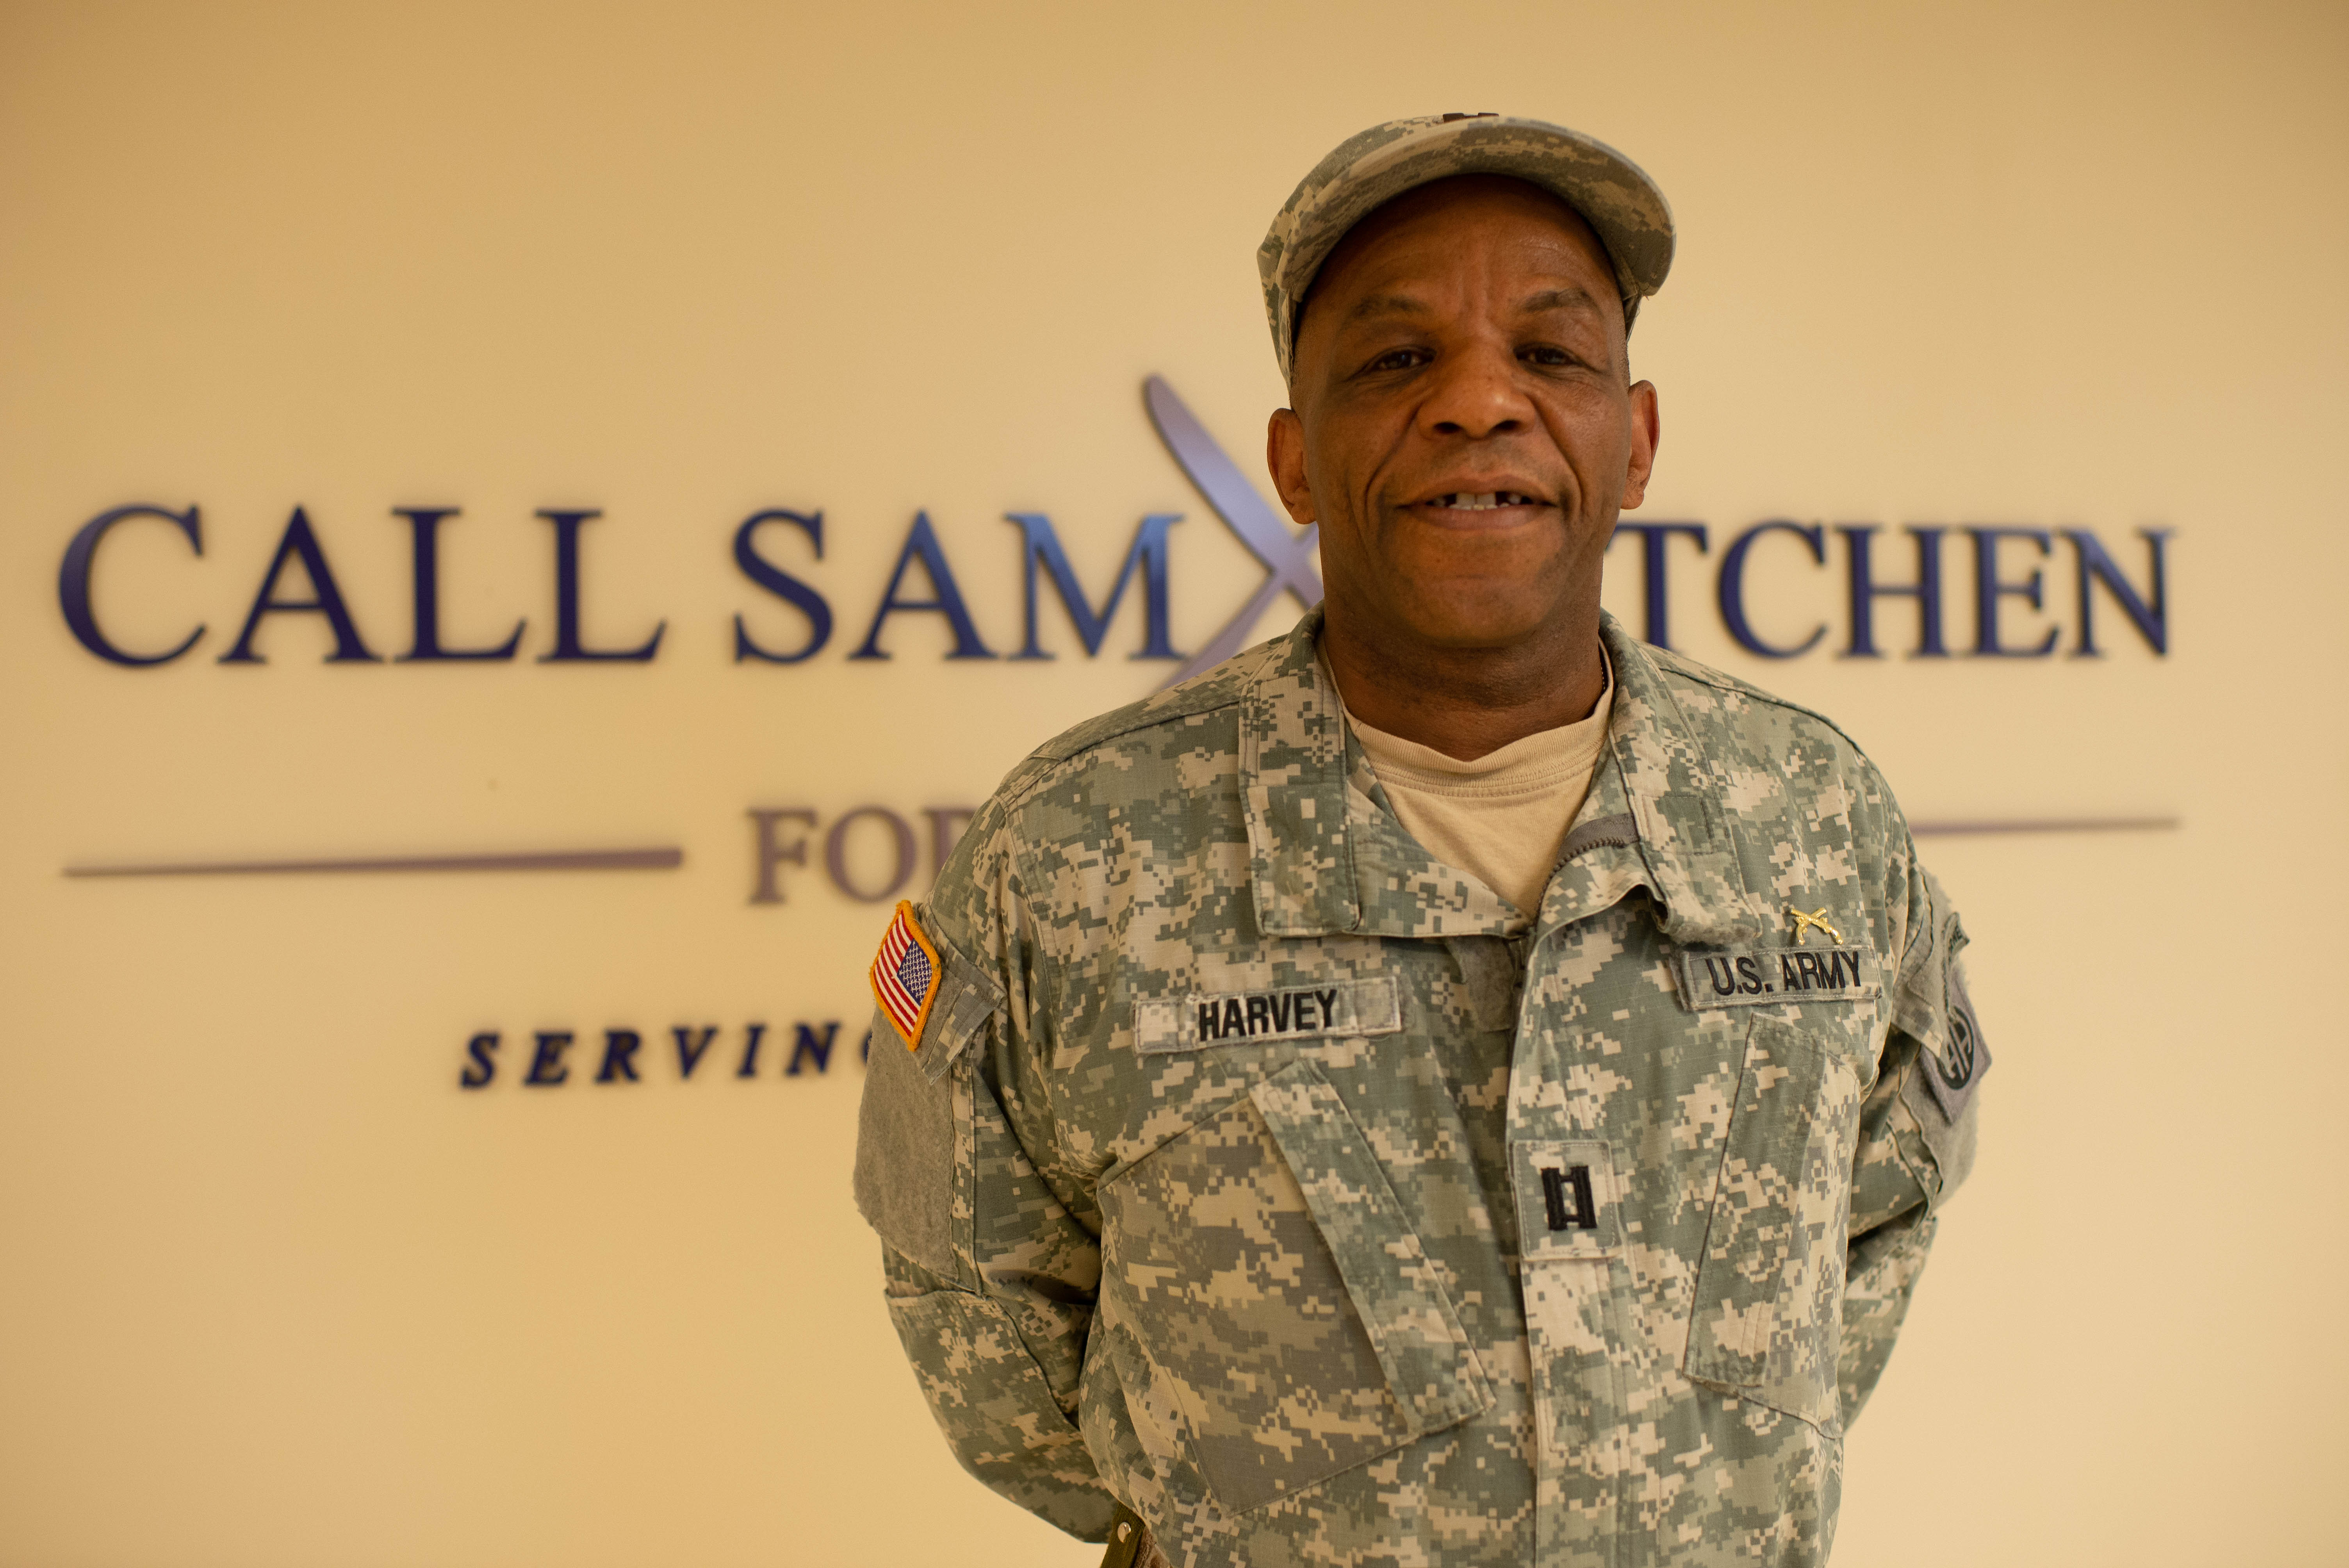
<point x="667" y="858"/>
<point x="2046" y="825"/>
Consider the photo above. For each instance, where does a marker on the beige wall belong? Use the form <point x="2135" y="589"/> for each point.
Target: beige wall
<point x="278" y="1291"/>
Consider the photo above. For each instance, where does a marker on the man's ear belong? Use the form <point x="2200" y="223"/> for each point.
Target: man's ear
<point x="1647" y="430"/>
<point x="1284" y="455"/>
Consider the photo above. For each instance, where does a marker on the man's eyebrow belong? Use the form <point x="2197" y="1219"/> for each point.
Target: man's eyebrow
<point x="1379" y="304"/>
<point x="1575" y="297"/>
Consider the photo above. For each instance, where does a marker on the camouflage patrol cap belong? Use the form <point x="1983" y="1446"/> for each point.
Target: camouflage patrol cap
<point x="1366" y="170"/>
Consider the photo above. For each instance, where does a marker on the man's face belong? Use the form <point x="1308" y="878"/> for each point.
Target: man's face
<point x="1465" y="429"/>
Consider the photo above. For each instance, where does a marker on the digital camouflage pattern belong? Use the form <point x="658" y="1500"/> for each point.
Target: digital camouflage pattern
<point x="1261" y="1174"/>
<point x="1366" y="170"/>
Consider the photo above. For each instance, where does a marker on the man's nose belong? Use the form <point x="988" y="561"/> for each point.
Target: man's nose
<point x="1476" y="394"/>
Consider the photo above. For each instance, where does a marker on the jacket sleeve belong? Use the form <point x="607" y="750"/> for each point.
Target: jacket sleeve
<point x="1917" y="1132"/>
<point x="992" y="1276"/>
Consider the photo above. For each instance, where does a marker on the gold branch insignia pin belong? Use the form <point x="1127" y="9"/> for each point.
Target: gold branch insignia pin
<point x="1816" y="920"/>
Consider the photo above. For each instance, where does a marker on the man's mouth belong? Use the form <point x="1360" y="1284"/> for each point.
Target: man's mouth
<point x="1488" y="501"/>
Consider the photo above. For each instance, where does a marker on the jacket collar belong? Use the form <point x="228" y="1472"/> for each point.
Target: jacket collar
<point x="1293" y="791"/>
<point x="1326" y="856"/>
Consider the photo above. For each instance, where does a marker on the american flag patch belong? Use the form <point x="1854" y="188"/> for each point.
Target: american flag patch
<point x="905" y="975"/>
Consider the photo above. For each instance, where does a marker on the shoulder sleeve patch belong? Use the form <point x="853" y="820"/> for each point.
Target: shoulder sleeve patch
<point x="913" y="1126"/>
<point x="905" y="976"/>
<point x="1952" y="1072"/>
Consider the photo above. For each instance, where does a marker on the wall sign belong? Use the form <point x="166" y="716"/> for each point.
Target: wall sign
<point x="2005" y="566"/>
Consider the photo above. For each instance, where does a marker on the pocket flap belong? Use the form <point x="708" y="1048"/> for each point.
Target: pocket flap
<point x="1415" y="1333"/>
<point x="907" y="1145"/>
<point x="967" y="999"/>
<point x="1767" y="1301"/>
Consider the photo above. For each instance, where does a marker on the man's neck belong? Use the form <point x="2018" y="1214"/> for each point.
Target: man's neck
<point x="1467" y="702"/>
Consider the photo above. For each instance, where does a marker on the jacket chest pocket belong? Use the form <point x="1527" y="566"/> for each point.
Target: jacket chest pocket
<point x="1261" y="1283"/>
<point x="1768" y="1296"/>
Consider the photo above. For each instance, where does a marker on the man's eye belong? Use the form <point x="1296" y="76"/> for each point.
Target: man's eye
<point x="1545" y="353"/>
<point x="1398" y="359"/>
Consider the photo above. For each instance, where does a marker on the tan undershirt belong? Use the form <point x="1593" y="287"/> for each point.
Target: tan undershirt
<point x="1504" y="817"/>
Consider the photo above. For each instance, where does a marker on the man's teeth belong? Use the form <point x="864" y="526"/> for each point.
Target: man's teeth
<point x="1461" y="500"/>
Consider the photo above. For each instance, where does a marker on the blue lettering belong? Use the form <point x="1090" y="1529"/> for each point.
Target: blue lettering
<point x="1865" y="591"/>
<point x="569" y="645"/>
<point x="1732" y="587"/>
<point x="81" y="561"/>
<point x="619" y="1055"/>
<point x="749" y="1067"/>
<point x="2152" y="620"/>
<point x="546" y="1062"/>
<point x="1148" y="555"/>
<point x="1654" y="559"/>
<point x="784" y="585"/>
<point x="1989" y="591"/>
<point x="923" y="543"/>
<point x="483" y="1067"/>
<point x="805" y="1045"/>
<point x="325" y="598"/>
<point x="690" y="1047"/>
<point x="424" y="578"/>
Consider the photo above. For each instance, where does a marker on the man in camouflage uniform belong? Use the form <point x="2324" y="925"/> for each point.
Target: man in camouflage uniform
<point x="1258" y="1189"/>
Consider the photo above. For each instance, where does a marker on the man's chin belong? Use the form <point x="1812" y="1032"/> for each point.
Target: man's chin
<point x="1470" y="623"/>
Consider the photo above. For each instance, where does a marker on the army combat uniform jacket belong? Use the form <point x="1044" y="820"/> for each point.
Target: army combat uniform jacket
<point x="1254" y="1170"/>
